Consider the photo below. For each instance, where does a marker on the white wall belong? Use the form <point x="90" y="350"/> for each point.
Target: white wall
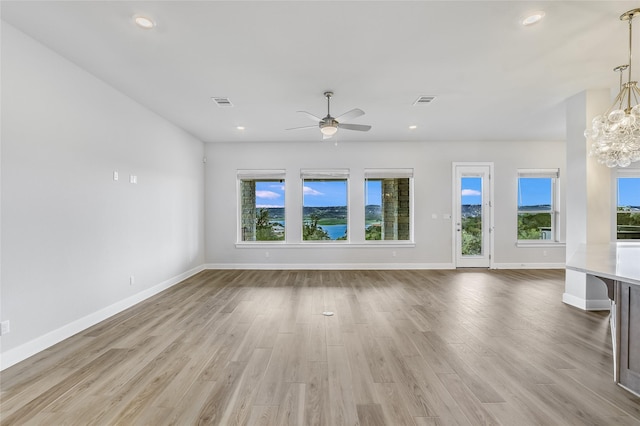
<point x="432" y="182"/>
<point x="71" y="235"/>
<point x="589" y="201"/>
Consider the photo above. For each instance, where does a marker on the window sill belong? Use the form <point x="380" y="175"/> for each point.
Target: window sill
<point x="319" y="244"/>
<point x="541" y="244"/>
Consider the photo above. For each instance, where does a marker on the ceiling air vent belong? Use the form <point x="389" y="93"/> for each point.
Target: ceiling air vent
<point x="423" y="100"/>
<point x="222" y="102"/>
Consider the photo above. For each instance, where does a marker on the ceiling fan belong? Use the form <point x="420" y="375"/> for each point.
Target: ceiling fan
<point x="330" y="125"/>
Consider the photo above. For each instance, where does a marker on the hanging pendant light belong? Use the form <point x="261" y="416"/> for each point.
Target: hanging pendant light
<point x="616" y="133"/>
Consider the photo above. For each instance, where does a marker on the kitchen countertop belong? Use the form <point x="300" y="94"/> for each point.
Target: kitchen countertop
<point x="617" y="261"/>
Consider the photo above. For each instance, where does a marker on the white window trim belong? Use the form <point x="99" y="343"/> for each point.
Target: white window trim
<point x="330" y="174"/>
<point x="336" y="174"/>
<point x="388" y="173"/>
<point x="264" y="174"/>
<point x="553" y="174"/>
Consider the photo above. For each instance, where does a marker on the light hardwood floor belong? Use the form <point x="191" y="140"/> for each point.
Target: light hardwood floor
<point x="403" y="348"/>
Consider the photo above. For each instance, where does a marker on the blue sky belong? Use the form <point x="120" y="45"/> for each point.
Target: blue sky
<point x="316" y="193"/>
<point x="322" y="193"/>
<point x="471" y="190"/>
<point x="334" y="193"/>
<point x="628" y="191"/>
<point x="269" y="194"/>
<point x="534" y="192"/>
<point x="373" y="194"/>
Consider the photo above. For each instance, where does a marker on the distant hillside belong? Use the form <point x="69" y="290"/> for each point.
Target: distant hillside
<point x="275" y="213"/>
<point x="471" y="210"/>
<point x="372" y="212"/>
<point x="539" y="207"/>
<point x="330" y="212"/>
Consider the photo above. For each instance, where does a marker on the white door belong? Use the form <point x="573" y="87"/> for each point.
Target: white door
<point x="472" y="214"/>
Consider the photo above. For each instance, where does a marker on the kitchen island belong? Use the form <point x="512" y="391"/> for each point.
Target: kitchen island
<point x="617" y="265"/>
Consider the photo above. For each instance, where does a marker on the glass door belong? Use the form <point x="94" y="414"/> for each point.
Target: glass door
<point x="472" y="215"/>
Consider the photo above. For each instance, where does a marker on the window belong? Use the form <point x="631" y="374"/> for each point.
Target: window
<point x="324" y="205"/>
<point x="388" y="204"/>
<point x="628" y="207"/>
<point x="261" y="205"/>
<point x="537" y="211"/>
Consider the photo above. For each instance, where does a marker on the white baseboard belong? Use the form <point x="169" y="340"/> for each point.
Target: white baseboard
<point x="330" y="266"/>
<point x="528" y="266"/>
<point x="586" y="305"/>
<point x="24" y="351"/>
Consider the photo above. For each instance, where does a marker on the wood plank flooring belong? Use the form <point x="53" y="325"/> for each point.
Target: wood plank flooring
<point x="467" y="347"/>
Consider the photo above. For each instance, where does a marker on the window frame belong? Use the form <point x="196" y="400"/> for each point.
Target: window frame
<point x="257" y="175"/>
<point x="389" y="173"/>
<point x="325" y="174"/>
<point x="554" y="175"/>
<point x="621" y="174"/>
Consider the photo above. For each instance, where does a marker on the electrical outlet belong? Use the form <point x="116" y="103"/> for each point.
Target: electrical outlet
<point x="5" y="328"/>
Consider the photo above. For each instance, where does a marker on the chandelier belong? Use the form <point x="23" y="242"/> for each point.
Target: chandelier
<point x="616" y="133"/>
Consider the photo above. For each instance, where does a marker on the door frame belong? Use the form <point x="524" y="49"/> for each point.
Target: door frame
<point x="489" y="203"/>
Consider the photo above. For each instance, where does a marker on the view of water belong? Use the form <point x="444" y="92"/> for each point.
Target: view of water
<point x="335" y="231"/>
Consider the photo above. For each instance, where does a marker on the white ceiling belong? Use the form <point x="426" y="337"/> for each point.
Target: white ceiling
<point x="494" y="79"/>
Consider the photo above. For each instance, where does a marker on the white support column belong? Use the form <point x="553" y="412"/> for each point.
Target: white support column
<point x="588" y="198"/>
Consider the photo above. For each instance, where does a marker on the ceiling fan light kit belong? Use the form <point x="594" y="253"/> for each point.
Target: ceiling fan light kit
<point x="329" y="129"/>
<point x="616" y="133"/>
<point x="329" y="125"/>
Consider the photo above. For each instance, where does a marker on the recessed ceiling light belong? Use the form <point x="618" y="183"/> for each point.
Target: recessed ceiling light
<point x="413" y="127"/>
<point x="240" y="127"/>
<point x="144" y="22"/>
<point x="533" y="18"/>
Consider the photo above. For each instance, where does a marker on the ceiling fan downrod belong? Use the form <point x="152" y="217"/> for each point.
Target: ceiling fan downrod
<point x="328" y="95"/>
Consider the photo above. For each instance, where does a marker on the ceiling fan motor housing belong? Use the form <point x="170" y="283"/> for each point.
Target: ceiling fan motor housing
<point x="328" y="122"/>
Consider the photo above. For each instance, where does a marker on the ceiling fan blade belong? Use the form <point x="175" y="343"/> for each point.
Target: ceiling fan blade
<point x="359" y="127"/>
<point x="303" y="127"/>
<point x="350" y="115"/>
<point x="311" y="116"/>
